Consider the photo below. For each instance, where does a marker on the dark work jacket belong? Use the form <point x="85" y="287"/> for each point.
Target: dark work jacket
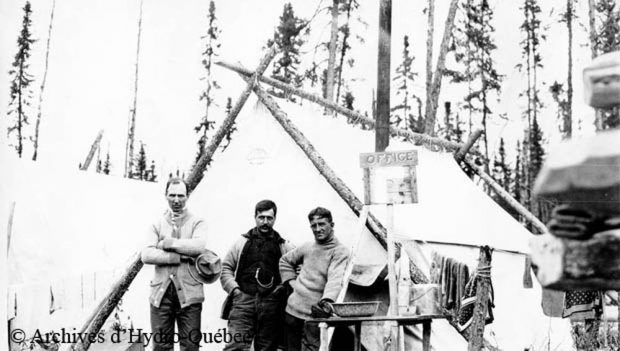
<point x="258" y="270"/>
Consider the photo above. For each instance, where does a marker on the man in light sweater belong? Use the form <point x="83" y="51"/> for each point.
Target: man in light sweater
<point x="175" y="295"/>
<point x="318" y="283"/>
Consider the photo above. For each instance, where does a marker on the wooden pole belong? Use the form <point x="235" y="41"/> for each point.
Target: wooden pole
<point x="435" y="144"/>
<point x="194" y="177"/>
<point x="382" y="136"/>
<point x="113" y="297"/>
<point x="331" y="62"/>
<point x="391" y="257"/>
<point x="473" y="137"/>
<point x="501" y="192"/>
<point x="9" y="228"/>
<point x="483" y="288"/>
<point x="91" y="153"/>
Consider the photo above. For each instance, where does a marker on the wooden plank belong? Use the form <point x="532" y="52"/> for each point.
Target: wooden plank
<point x="382" y="135"/>
<point x="432" y="143"/>
<point x="483" y="287"/>
<point x="196" y="174"/>
<point x="568" y="264"/>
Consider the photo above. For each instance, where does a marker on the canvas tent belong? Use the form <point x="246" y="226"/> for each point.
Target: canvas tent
<point x="262" y="161"/>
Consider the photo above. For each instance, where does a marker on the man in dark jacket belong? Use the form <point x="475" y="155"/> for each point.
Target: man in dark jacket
<point x="250" y="276"/>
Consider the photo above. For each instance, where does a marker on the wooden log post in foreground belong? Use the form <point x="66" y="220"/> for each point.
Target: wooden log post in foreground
<point x="110" y="301"/>
<point x="196" y="175"/>
<point x="483" y="289"/>
<point x="436" y="144"/>
<point x="382" y="131"/>
<point x="570" y="264"/>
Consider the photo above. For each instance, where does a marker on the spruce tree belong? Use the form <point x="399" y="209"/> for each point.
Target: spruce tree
<point x="211" y="47"/>
<point x="347" y="8"/>
<point x="288" y="40"/>
<point x="476" y="45"/>
<point x="233" y="127"/>
<point x="347" y="100"/>
<point x="107" y="165"/>
<point x="402" y="116"/>
<point x="561" y="98"/>
<point x="140" y="165"/>
<point x="21" y="79"/>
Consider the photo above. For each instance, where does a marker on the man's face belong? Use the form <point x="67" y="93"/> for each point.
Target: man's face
<point x="177" y="197"/>
<point x="322" y="229"/>
<point x="265" y="220"/>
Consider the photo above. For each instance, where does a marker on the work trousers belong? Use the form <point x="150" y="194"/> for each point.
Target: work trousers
<point x="301" y="336"/>
<point x="255" y="318"/>
<point x="187" y="320"/>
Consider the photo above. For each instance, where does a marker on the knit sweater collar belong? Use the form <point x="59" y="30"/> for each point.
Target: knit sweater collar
<point x="179" y="219"/>
<point x="329" y="243"/>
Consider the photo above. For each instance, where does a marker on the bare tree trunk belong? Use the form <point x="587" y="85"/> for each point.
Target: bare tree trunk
<point x="343" y="50"/>
<point x="431" y="109"/>
<point x="132" y="117"/>
<point x="47" y="54"/>
<point x="91" y="153"/>
<point x="568" y="115"/>
<point x="382" y="139"/>
<point x="430" y="31"/>
<point x="331" y="62"/>
<point x="598" y="115"/>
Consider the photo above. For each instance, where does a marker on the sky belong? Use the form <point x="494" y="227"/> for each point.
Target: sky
<point x="92" y="57"/>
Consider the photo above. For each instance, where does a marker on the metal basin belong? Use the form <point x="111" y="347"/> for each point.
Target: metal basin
<point x="356" y="309"/>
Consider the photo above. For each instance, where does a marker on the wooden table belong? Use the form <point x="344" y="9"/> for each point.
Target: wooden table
<point x="356" y="322"/>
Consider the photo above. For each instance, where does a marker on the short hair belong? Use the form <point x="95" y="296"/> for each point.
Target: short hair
<point x="176" y="180"/>
<point x="321" y="212"/>
<point x="265" y="205"/>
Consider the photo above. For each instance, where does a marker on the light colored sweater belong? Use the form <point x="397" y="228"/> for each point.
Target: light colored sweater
<point x="323" y="266"/>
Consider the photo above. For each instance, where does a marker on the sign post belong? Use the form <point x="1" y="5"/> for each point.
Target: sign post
<point x="390" y="178"/>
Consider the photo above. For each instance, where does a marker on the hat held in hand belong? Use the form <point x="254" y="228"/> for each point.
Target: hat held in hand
<point x="206" y="268"/>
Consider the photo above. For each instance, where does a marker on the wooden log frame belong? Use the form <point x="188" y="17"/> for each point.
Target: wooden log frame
<point x="483" y="289"/>
<point x="109" y="302"/>
<point x="113" y="297"/>
<point x="570" y="264"/>
<point x="501" y="192"/>
<point x="375" y="227"/>
<point x="435" y="144"/>
<point x="194" y="178"/>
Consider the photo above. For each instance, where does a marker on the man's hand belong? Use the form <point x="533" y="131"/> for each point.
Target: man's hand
<point x="235" y="292"/>
<point x="285" y="289"/>
<point x="323" y="309"/>
<point x="165" y="244"/>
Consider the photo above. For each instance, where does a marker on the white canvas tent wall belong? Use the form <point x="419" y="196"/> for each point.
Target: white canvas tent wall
<point x="73" y="233"/>
<point x="262" y="161"/>
<point x="71" y="224"/>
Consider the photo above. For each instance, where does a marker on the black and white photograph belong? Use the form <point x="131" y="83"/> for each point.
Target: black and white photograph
<point x="380" y="175"/>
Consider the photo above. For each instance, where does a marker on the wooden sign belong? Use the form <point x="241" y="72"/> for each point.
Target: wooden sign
<point x="390" y="177"/>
